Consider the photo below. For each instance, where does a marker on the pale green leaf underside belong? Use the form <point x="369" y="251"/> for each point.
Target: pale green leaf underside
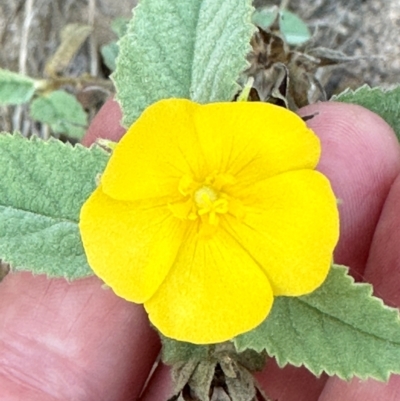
<point x="385" y="103"/>
<point x="179" y="49"/>
<point x="293" y="28"/>
<point x="15" y="88"/>
<point x="42" y="188"/>
<point x="265" y="17"/>
<point x="109" y="53"/>
<point x="340" y="329"/>
<point x="62" y="112"/>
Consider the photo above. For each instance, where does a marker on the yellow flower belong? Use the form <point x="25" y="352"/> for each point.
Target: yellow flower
<point x="206" y="212"/>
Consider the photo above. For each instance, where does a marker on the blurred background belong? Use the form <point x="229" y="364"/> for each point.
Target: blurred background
<point x="31" y="33"/>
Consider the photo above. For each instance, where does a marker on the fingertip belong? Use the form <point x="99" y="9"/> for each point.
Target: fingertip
<point x="289" y="383"/>
<point x="361" y="390"/>
<point x="383" y="266"/>
<point x="106" y="124"/>
<point x="82" y="336"/>
<point x="361" y="157"/>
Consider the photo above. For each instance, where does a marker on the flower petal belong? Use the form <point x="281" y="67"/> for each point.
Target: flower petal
<point x="290" y="227"/>
<point x="214" y="292"/>
<point x="253" y="141"/>
<point x="158" y="149"/>
<point x="131" y="246"/>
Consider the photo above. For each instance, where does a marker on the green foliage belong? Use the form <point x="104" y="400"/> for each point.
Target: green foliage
<point x="43" y="185"/>
<point x="41" y="244"/>
<point x="385" y="103"/>
<point x="293" y="28"/>
<point x="178" y="351"/>
<point x="194" y="50"/>
<point x="15" y="88"/>
<point x="62" y="112"/>
<point x="340" y="329"/>
<point x="110" y="51"/>
<point x="265" y="17"/>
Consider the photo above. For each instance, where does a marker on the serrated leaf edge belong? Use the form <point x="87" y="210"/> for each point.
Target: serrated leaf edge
<point x="366" y="287"/>
<point x="55" y="141"/>
<point x="349" y="91"/>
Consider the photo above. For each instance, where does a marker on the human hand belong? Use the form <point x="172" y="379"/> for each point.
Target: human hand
<point x="77" y="341"/>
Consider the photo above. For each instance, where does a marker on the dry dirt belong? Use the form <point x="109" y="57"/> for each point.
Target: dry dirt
<point x="30" y="34"/>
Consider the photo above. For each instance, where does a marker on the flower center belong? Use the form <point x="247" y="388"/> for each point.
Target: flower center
<point x="206" y="200"/>
<point x="204" y="196"/>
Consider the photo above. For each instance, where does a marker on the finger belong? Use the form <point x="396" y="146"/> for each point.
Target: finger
<point x="383" y="266"/>
<point x="361" y="157"/>
<point x="359" y="390"/>
<point x="383" y="271"/>
<point x="106" y="124"/>
<point x="71" y="341"/>
<point x="160" y="386"/>
<point x="290" y="383"/>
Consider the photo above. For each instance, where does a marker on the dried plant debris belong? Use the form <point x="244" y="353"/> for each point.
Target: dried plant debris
<point x="223" y="376"/>
<point x="287" y="75"/>
<point x="72" y="38"/>
<point x="219" y="382"/>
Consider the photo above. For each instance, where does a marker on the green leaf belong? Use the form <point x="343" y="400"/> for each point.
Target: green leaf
<point x="293" y="28"/>
<point x="340" y="328"/>
<point x="174" y="351"/>
<point x="385" y="103"/>
<point x="119" y="26"/>
<point x="184" y="49"/>
<point x="110" y="53"/>
<point x="15" y="88"/>
<point x="62" y="112"/>
<point x="43" y="185"/>
<point x="265" y="17"/>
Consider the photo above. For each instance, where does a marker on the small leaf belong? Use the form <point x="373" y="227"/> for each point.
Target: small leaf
<point x="265" y="17"/>
<point x="15" y="88"/>
<point x="110" y="53"/>
<point x="385" y="103"/>
<point x="340" y="328"/>
<point x="293" y="28"/>
<point x="185" y="49"/>
<point x="62" y="112"/>
<point x="43" y="185"/>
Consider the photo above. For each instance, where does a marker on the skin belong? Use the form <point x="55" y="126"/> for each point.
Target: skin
<point x="78" y="341"/>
